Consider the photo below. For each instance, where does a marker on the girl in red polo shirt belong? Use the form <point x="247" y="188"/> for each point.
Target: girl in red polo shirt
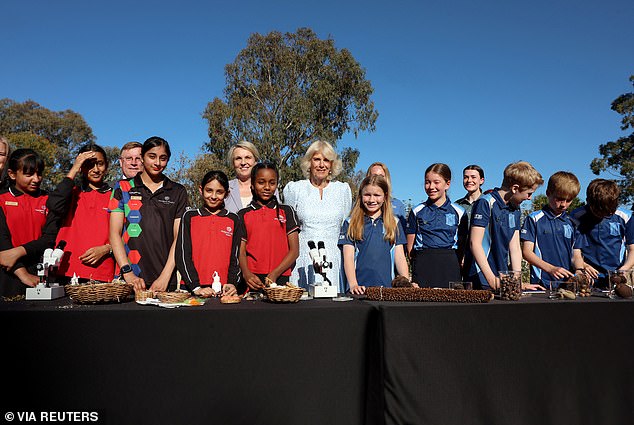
<point x="208" y="241"/>
<point x="270" y="240"/>
<point x="85" y="228"/>
<point x="23" y="206"/>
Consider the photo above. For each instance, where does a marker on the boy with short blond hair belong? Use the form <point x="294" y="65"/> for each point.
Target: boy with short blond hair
<point x="549" y="235"/>
<point x="495" y="226"/>
<point x="607" y="231"/>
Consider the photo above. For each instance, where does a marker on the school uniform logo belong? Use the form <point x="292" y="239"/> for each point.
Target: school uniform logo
<point x="511" y="222"/>
<point x="41" y="210"/>
<point x="166" y="200"/>
<point x="450" y="219"/>
<point x="614" y="229"/>
<point x="281" y="219"/>
<point x="567" y="231"/>
<point x="227" y="232"/>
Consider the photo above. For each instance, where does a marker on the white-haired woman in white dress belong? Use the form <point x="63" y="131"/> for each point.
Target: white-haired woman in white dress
<point x="322" y="205"/>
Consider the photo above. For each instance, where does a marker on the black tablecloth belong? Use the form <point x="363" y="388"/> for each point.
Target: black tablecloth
<point x="534" y="361"/>
<point x="255" y="362"/>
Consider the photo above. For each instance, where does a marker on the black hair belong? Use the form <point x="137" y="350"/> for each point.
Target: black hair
<point x="475" y="168"/>
<point x="217" y="175"/>
<point x="154" y="142"/>
<point x="265" y="165"/>
<point x="26" y="160"/>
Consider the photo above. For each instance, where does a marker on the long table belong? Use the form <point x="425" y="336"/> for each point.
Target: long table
<point x="533" y="361"/>
<point x="255" y="362"/>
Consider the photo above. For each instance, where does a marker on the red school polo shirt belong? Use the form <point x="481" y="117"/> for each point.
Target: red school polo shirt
<point x="25" y="214"/>
<point x="208" y="243"/>
<point x="86" y="226"/>
<point x="266" y="235"/>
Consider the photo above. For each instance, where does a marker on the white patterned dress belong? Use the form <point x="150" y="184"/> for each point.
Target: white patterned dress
<point x="320" y="220"/>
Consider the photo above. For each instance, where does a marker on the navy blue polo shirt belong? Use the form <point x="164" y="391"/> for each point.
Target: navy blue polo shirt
<point x="500" y="221"/>
<point x="604" y="240"/>
<point x="554" y="239"/>
<point x="373" y="256"/>
<point x="435" y="226"/>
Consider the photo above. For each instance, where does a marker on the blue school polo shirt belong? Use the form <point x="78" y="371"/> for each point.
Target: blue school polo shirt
<point x="554" y="239"/>
<point x="435" y="226"/>
<point x="500" y="221"/>
<point x="604" y="240"/>
<point x="373" y="256"/>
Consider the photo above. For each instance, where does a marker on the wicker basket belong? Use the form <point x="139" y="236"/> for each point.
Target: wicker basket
<point x="93" y="293"/>
<point x="143" y="295"/>
<point x="172" y="297"/>
<point x="284" y="294"/>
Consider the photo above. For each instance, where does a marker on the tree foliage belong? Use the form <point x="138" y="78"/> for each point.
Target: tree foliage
<point x="618" y="156"/>
<point x="284" y="91"/>
<point x="190" y="172"/>
<point x="55" y="135"/>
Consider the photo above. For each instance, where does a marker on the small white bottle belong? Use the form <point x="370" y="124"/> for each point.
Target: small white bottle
<point x="216" y="285"/>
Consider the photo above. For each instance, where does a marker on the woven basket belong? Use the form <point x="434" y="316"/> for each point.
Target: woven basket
<point x="284" y="294"/>
<point x="379" y="293"/>
<point x="93" y="293"/>
<point x="143" y="295"/>
<point x="172" y="297"/>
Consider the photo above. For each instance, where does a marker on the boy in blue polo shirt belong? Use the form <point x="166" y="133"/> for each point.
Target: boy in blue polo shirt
<point x="548" y="235"/>
<point x="607" y="231"/>
<point x="495" y="226"/>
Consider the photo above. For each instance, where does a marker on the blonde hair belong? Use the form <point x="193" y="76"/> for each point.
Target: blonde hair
<point x="390" y="226"/>
<point x="563" y="184"/>
<point x="244" y="145"/>
<point x="523" y="174"/>
<point x="327" y="151"/>
<point x="383" y="167"/>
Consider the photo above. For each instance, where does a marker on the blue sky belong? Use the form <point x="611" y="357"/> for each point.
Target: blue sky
<point x="460" y="82"/>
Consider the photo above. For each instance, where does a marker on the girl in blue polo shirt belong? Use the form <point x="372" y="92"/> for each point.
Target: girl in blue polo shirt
<point x="436" y="231"/>
<point x="372" y="239"/>
<point x="270" y="240"/>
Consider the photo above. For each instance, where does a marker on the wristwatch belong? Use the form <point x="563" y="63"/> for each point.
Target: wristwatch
<point x="126" y="269"/>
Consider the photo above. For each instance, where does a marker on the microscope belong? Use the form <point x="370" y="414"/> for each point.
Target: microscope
<point x="321" y="265"/>
<point x="47" y="289"/>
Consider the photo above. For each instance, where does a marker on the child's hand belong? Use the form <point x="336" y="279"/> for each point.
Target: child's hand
<point x="272" y="277"/>
<point x="229" y="289"/>
<point x="253" y="282"/>
<point x="9" y="257"/>
<point x="94" y="254"/>
<point x="592" y="272"/>
<point x="357" y="289"/>
<point x="493" y="281"/>
<point x="29" y="279"/>
<point x="159" y="285"/>
<point x="559" y="272"/>
<point x="79" y="161"/>
<point x="533" y="286"/>
<point x="136" y="281"/>
<point x="205" y="292"/>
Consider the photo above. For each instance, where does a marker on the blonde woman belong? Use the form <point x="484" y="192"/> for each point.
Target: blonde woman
<point x="322" y="205"/>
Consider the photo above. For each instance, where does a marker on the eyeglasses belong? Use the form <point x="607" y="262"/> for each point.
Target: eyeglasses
<point x="131" y="159"/>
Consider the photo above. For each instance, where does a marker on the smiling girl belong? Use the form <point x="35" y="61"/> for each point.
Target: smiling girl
<point x="145" y="214"/>
<point x="209" y="240"/>
<point x="436" y="229"/>
<point x="270" y="244"/>
<point x="87" y="253"/>
<point x="26" y="229"/>
<point x="372" y="239"/>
